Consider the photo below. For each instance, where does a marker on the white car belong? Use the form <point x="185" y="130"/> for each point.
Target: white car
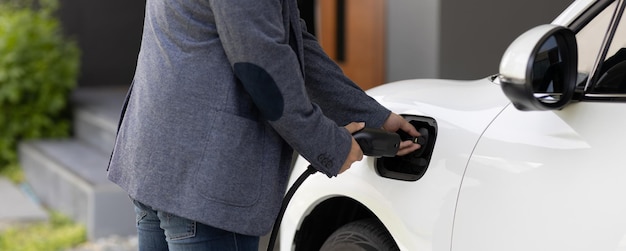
<point x="533" y="158"/>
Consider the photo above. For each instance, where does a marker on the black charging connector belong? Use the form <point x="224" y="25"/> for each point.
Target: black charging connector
<point x="377" y="142"/>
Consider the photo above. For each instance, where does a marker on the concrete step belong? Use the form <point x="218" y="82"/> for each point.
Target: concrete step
<point x="96" y="115"/>
<point x="70" y="176"/>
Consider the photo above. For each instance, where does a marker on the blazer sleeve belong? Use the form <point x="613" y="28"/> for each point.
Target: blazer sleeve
<point x="253" y="35"/>
<point x="338" y="96"/>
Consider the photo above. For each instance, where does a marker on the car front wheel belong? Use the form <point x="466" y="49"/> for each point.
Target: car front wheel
<point x="366" y="235"/>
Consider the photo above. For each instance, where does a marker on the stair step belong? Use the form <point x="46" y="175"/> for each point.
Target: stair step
<point x="70" y="176"/>
<point x="96" y="115"/>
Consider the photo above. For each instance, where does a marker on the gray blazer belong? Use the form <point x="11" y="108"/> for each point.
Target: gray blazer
<point x="223" y="92"/>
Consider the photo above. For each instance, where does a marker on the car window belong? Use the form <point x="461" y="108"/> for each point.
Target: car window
<point x="613" y="70"/>
<point x="612" y="74"/>
<point x="590" y="38"/>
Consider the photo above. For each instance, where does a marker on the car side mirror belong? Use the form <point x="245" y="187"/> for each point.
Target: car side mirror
<point x="538" y="70"/>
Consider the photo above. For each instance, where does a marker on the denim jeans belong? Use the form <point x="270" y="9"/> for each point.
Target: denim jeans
<point x="159" y="230"/>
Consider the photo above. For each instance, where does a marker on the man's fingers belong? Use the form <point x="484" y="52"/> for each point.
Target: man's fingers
<point x="410" y="129"/>
<point x="355" y="155"/>
<point x="407" y="147"/>
<point x="355" y="126"/>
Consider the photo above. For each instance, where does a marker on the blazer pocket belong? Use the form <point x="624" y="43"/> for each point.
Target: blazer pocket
<point x="231" y="169"/>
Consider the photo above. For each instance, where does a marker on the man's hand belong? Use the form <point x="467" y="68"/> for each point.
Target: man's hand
<point x="356" y="154"/>
<point x="396" y="122"/>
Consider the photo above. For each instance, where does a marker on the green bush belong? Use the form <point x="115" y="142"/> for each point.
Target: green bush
<point x="58" y="233"/>
<point x="38" y="69"/>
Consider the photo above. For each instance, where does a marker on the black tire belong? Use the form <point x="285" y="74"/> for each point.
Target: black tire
<point x="362" y="235"/>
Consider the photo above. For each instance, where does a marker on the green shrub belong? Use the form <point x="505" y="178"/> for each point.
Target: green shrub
<point x="58" y="233"/>
<point x="38" y="70"/>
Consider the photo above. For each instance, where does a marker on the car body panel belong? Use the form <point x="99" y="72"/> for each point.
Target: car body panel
<point x="460" y="124"/>
<point x="546" y="181"/>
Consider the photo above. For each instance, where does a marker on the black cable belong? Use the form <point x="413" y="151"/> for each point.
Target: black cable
<point x="373" y="142"/>
<point x="309" y="170"/>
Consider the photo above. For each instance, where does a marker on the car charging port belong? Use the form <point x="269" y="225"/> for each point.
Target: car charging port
<point x="412" y="166"/>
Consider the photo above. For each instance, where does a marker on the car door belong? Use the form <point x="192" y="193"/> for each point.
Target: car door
<point x="555" y="180"/>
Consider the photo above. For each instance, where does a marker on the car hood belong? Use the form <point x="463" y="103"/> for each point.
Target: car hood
<point x="467" y="104"/>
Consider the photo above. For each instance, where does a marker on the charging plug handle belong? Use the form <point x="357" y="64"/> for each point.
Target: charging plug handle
<point x="377" y="142"/>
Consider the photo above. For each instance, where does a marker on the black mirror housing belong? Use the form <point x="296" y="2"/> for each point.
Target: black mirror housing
<point x="538" y="71"/>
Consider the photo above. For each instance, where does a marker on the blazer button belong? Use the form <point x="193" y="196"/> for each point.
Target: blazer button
<point x="325" y="160"/>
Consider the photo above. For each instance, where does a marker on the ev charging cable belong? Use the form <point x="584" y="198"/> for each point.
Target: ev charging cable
<point x="373" y="142"/>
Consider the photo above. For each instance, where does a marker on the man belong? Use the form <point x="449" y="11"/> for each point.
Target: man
<point x="223" y="92"/>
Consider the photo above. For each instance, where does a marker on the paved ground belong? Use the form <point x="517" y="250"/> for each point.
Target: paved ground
<point x="113" y="243"/>
<point x="17" y="207"/>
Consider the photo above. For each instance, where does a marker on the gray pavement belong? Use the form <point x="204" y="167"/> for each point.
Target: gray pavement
<point x="16" y="207"/>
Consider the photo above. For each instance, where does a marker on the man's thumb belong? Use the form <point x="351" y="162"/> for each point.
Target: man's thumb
<point x="355" y="126"/>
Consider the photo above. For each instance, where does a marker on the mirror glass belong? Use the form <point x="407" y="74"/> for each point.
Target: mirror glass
<point x="548" y="76"/>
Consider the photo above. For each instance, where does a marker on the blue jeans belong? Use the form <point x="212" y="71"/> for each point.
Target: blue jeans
<point x="159" y="230"/>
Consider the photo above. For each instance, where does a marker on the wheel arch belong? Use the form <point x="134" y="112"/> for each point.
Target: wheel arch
<point x="325" y="218"/>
